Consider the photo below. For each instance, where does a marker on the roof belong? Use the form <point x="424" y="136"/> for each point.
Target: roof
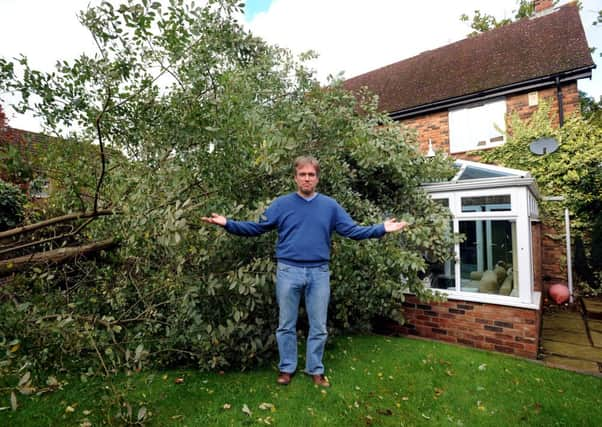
<point x="530" y="50"/>
<point x="478" y="176"/>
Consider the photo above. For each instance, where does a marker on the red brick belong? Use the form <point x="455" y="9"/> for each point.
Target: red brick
<point x="504" y="349"/>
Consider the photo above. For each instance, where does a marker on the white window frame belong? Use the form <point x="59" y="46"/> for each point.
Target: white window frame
<point x="475" y="126"/>
<point x="518" y="213"/>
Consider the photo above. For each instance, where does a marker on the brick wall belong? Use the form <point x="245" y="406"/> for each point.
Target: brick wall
<point x="491" y="327"/>
<point x="570" y="100"/>
<point x="536" y="248"/>
<point x="553" y="249"/>
<point x="435" y="126"/>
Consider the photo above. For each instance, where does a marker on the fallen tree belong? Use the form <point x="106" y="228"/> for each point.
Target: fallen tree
<point x="218" y="135"/>
<point x="54" y="256"/>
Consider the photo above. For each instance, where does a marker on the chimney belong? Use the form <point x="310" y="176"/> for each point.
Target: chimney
<point x="542" y="5"/>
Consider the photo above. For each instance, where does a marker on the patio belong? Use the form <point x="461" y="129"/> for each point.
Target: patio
<point x="572" y="339"/>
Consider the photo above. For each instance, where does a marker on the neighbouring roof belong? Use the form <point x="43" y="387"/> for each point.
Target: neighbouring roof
<point x="529" y="51"/>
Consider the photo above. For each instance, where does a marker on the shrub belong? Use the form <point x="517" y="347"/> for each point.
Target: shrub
<point x="12" y="201"/>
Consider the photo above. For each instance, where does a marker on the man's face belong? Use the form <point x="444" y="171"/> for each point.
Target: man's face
<point x="306" y="179"/>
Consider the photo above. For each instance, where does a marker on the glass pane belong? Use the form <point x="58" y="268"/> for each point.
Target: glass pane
<point x="488" y="257"/>
<point x="486" y="203"/>
<point x="472" y="172"/>
<point x="442" y="275"/>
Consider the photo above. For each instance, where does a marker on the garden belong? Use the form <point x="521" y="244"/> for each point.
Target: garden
<point x="118" y="306"/>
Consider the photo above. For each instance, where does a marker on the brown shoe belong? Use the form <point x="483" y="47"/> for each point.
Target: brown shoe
<point x="320" y="380"/>
<point x="284" y="378"/>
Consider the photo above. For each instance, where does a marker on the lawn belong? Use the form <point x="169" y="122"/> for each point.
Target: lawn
<point x="377" y="380"/>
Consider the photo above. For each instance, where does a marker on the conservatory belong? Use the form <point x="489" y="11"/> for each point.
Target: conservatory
<point x="494" y="208"/>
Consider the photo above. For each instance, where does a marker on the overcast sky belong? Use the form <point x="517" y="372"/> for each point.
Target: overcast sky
<point x="351" y="36"/>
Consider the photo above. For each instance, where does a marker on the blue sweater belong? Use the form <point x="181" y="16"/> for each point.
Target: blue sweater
<point x="305" y="228"/>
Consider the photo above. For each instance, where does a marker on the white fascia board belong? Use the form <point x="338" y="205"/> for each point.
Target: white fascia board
<point x="484" y="183"/>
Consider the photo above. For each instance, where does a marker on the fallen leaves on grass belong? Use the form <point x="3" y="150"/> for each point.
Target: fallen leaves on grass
<point x="246" y="410"/>
<point x="267" y="406"/>
<point x="13" y="401"/>
<point x="25" y="386"/>
<point x="142" y="412"/>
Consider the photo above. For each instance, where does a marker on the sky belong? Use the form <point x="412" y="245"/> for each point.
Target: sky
<point x="351" y="36"/>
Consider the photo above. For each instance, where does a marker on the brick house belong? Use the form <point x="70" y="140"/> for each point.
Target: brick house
<point x="457" y="98"/>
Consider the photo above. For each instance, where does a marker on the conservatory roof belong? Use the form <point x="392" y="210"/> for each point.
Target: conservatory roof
<point x="474" y="176"/>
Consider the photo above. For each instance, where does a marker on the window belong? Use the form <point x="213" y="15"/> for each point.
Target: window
<point x="487" y="257"/>
<point x="492" y="207"/>
<point x="477" y="126"/>
<point x="486" y="203"/>
<point x="486" y="262"/>
<point x="39" y="188"/>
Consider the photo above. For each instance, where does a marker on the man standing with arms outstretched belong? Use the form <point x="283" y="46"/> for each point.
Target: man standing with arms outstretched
<point x="305" y="221"/>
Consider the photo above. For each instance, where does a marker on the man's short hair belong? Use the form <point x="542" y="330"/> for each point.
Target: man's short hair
<point x="306" y="160"/>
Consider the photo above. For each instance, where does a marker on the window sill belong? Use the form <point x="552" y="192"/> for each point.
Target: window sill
<point x="493" y="299"/>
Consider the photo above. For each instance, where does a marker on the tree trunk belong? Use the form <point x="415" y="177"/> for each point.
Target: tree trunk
<point x="56" y="256"/>
<point x="59" y="219"/>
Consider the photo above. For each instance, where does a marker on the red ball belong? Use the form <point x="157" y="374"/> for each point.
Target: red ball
<point x="559" y="293"/>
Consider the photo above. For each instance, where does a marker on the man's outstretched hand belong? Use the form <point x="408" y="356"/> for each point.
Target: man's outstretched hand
<point x="215" y="219"/>
<point x="392" y="225"/>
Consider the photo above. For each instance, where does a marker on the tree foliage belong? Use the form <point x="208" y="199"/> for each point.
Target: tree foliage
<point x="590" y="109"/>
<point x="12" y="203"/>
<point x="482" y="22"/>
<point x="189" y="114"/>
<point x="14" y="166"/>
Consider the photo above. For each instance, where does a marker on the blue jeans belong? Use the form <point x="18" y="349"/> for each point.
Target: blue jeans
<point x="314" y="284"/>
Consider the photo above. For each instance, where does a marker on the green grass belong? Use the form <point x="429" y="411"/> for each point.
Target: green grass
<point x="376" y="381"/>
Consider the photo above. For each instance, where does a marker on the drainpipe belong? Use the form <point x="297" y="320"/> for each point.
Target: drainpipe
<point x="560" y="103"/>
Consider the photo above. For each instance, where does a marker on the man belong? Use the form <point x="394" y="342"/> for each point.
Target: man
<point x="305" y="221"/>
